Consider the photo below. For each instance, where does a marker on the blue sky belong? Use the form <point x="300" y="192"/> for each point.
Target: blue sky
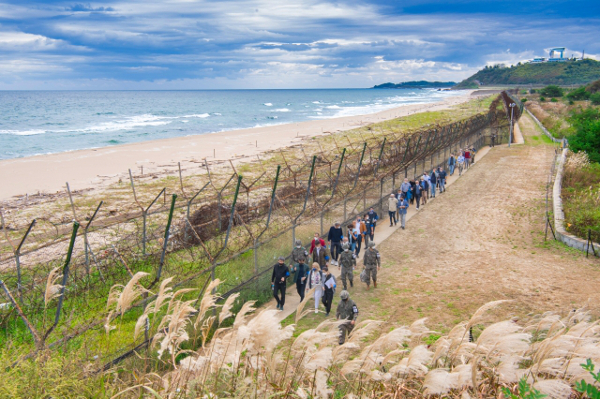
<point x="189" y="44"/>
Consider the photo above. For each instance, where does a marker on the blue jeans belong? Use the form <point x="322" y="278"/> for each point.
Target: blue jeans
<point x="432" y="189"/>
<point x="403" y="219"/>
<point x="451" y="168"/>
<point x="442" y="185"/>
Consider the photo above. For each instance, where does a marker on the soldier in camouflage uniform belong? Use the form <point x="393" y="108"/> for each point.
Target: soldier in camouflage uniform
<point x="299" y="252"/>
<point x="346" y="310"/>
<point x="372" y="262"/>
<point x="347" y="262"/>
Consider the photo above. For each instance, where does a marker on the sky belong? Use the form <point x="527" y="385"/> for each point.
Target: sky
<point x="272" y="44"/>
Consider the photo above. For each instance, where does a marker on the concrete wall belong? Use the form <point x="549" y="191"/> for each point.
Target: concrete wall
<point x="559" y="215"/>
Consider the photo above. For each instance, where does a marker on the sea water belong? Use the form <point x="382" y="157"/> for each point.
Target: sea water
<point x="46" y="122"/>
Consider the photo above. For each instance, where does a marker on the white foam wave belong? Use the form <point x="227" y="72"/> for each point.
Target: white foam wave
<point x="333" y="107"/>
<point x="316" y="102"/>
<point x="111" y="126"/>
<point x="268" y="104"/>
<point x="281" y="110"/>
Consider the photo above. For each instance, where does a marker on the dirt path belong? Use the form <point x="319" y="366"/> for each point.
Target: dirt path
<point x="481" y="241"/>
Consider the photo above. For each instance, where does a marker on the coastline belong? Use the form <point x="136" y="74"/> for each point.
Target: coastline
<point x="96" y="168"/>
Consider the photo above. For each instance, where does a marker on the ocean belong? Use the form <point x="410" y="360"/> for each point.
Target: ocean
<point x="46" y="122"/>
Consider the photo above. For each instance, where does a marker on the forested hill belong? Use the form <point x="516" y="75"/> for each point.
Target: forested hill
<point x="548" y="73"/>
<point x="420" y="84"/>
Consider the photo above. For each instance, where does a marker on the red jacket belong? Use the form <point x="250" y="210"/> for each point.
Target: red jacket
<point x="312" y="244"/>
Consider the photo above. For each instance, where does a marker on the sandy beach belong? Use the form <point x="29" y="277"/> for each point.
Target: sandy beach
<point x="97" y="167"/>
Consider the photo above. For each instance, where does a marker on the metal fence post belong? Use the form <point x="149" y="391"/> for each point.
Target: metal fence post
<point x="322" y="222"/>
<point x="381" y="197"/>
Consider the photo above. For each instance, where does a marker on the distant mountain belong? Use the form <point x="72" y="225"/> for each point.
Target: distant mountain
<point x="420" y="84"/>
<point x="547" y="73"/>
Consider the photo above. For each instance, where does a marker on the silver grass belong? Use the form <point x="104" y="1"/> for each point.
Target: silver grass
<point x="240" y="318"/>
<point x="320" y="359"/>
<point x="322" y="389"/>
<point x="226" y="310"/>
<point x="123" y="296"/>
<point x="555" y="389"/>
<point x="508" y="370"/>
<point x="415" y="364"/>
<point x="440" y="381"/>
<point x="140" y="324"/>
<point x="52" y="289"/>
<point x="479" y="315"/>
<point x="299" y="315"/>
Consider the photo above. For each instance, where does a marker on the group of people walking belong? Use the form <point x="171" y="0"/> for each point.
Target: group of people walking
<point x="462" y="161"/>
<point x="343" y="250"/>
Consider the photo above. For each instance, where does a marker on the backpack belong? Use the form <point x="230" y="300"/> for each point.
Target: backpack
<point x="363" y="276"/>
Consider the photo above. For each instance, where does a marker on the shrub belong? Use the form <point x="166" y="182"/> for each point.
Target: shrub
<point x="542" y="98"/>
<point x="523" y="91"/>
<point x="578" y="94"/>
<point x="554" y="100"/>
<point x="593" y="87"/>
<point x="589" y="389"/>
<point x="595" y="98"/>
<point x="552" y="91"/>
<point x="586" y="124"/>
<point x="571" y="102"/>
<point x="532" y="91"/>
<point x="523" y="100"/>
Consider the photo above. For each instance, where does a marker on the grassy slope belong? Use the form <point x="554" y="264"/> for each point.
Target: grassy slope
<point x="567" y="73"/>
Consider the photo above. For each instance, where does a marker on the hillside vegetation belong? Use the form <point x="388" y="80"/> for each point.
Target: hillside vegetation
<point x="421" y="84"/>
<point x="565" y="73"/>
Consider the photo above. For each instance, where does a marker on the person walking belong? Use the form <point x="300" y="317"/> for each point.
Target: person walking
<point x="335" y="237"/>
<point x="411" y="197"/>
<point x="418" y="193"/>
<point x="347" y="311"/>
<point x="467" y="158"/>
<point x="442" y="179"/>
<point x="424" y="190"/>
<point x="473" y="152"/>
<point x="300" y="271"/>
<point x="433" y="183"/>
<point x="299" y="252"/>
<point x="405" y="187"/>
<point x="493" y="141"/>
<point x="320" y="254"/>
<point x="451" y="164"/>
<point x="392" y="201"/>
<point x="372" y="263"/>
<point x="317" y="238"/>
<point x="428" y="181"/>
<point x="352" y="236"/>
<point x="315" y="280"/>
<point x="362" y="232"/>
<point x="278" y="281"/>
<point x="402" y="210"/>
<point x="329" y="285"/>
<point x="347" y="262"/>
<point x="373" y="218"/>
<point x="460" y="161"/>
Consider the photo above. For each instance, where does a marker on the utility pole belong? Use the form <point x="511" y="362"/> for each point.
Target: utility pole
<point x="512" y="111"/>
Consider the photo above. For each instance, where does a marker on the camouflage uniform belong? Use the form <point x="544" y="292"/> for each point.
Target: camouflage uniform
<point x="299" y="253"/>
<point x="372" y="261"/>
<point x="347" y="262"/>
<point x="346" y="310"/>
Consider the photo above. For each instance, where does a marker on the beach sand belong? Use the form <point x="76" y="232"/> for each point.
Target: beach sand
<point x="96" y="168"/>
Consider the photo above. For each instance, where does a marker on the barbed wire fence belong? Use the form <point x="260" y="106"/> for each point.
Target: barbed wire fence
<point x="229" y="225"/>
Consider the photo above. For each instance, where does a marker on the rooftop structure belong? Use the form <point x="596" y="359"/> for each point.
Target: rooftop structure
<point x="556" y="55"/>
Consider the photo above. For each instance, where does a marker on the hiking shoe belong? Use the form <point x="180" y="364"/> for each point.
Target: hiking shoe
<point x="316" y="311"/>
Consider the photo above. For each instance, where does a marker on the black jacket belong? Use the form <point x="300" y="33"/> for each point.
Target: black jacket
<point x="335" y="234"/>
<point x="279" y="271"/>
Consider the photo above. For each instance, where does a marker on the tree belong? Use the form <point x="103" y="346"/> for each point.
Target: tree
<point x="586" y="124"/>
<point x="552" y="91"/>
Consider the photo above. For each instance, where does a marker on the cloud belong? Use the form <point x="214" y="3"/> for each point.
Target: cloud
<point x="88" y="8"/>
<point x="269" y="43"/>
